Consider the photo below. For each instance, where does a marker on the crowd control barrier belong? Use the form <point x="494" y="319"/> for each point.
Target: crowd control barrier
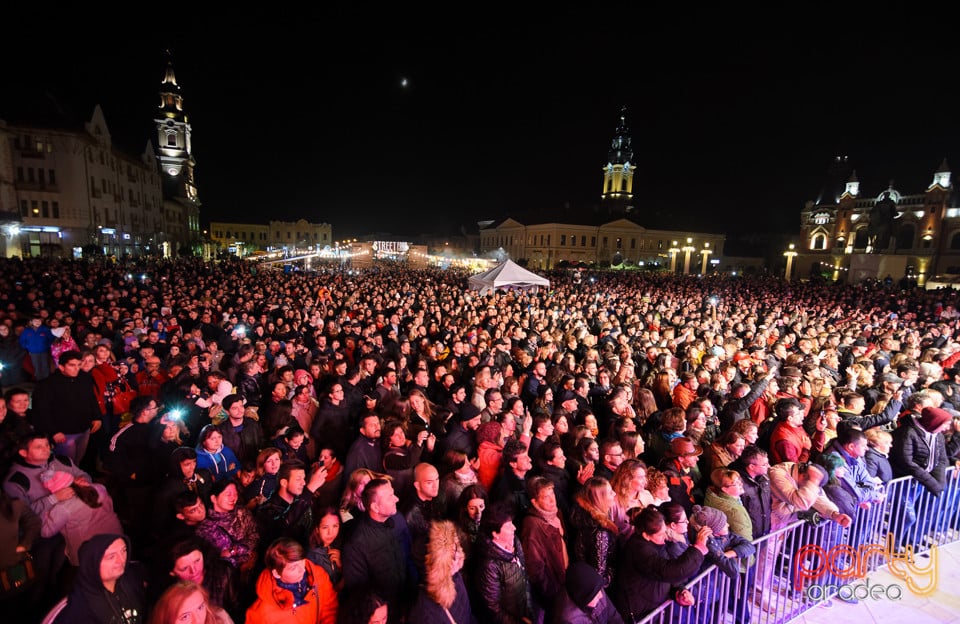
<point x="806" y="563"/>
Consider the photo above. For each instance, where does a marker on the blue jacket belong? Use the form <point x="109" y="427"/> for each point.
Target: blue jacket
<point x="222" y="464"/>
<point x="36" y="340"/>
<point x="857" y="479"/>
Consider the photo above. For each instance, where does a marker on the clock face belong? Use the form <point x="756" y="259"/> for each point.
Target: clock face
<point x="172" y="171"/>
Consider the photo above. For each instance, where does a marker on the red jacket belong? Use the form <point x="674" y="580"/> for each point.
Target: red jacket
<point x="274" y="605"/>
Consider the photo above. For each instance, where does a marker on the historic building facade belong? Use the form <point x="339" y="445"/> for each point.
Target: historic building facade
<point x="609" y="235"/>
<point x="851" y="234"/>
<point x="244" y="238"/>
<point x="64" y="190"/>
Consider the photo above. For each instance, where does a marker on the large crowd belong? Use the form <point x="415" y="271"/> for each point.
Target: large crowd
<point x="186" y="441"/>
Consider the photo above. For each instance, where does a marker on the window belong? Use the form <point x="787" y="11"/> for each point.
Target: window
<point x="45" y="206"/>
<point x="171" y="140"/>
<point x="619" y="243"/>
<point x="24" y="208"/>
<point x="278" y="235"/>
<point x="40" y="176"/>
<point x="593" y="241"/>
<point x="52" y="176"/>
<point x="605" y="243"/>
<point x="30" y="176"/>
<point x="563" y="240"/>
<point x="20" y="174"/>
<point x="633" y="243"/>
<point x="288" y="234"/>
<point x="35" y="208"/>
<point x="548" y="240"/>
<point x="583" y="241"/>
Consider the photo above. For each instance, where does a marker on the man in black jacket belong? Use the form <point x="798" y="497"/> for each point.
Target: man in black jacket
<point x="753" y="465"/>
<point x="376" y="553"/>
<point x="65" y="407"/>
<point x="289" y="511"/>
<point x="742" y="396"/>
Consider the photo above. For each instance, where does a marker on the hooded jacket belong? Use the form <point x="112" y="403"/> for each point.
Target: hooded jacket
<point x="221" y="463"/>
<point x="91" y="603"/>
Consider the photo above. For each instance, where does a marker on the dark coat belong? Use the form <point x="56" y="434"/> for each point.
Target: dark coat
<point x="330" y="427"/>
<point x="64" y="404"/>
<point x="373" y="558"/>
<point x="544" y="547"/>
<point x="717" y="546"/>
<point x="756" y="499"/>
<point x="277" y="518"/>
<point x="739" y="409"/>
<point x="91" y="603"/>
<point x="909" y="455"/>
<point x="502" y="584"/>
<point x="569" y="613"/>
<point x="592" y="543"/>
<point x="426" y="611"/>
<point x="247" y="442"/>
<point x="648" y="575"/>
<point x="878" y="465"/>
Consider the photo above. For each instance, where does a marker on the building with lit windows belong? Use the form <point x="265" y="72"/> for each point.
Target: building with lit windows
<point x="610" y="234"/>
<point x="851" y="234"/>
<point x="244" y="238"/>
<point x="65" y="190"/>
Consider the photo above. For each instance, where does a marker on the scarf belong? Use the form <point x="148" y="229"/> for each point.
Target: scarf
<point x="931" y="441"/>
<point x="298" y="589"/>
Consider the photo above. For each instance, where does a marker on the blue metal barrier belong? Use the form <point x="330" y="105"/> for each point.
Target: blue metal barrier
<point x="798" y="567"/>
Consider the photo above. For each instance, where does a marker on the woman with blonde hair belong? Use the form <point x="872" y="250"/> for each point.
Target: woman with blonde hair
<point x="187" y="602"/>
<point x="351" y="503"/>
<point x="443" y="596"/>
<point x="629" y="485"/>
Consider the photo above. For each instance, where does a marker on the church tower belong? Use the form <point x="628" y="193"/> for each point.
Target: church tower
<point x="617" y="194"/>
<point x="173" y="141"/>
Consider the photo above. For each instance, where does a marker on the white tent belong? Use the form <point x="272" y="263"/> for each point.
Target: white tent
<point x="507" y="275"/>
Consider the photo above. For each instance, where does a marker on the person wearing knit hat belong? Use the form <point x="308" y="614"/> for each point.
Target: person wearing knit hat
<point x="709" y="517"/>
<point x="585" y="600"/>
<point x="919" y="451"/>
<point x="934" y="419"/>
<point x="78" y="518"/>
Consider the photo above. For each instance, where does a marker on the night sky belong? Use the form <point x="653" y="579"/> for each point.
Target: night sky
<point x="734" y="117"/>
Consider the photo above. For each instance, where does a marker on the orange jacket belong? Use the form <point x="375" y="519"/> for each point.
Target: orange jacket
<point x="274" y="604"/>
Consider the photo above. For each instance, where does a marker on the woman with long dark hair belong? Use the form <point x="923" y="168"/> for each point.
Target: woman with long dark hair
<point x="649" y="573"/>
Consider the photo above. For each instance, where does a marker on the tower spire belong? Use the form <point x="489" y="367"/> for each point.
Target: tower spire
<point x="618" y="173"/>
<point x="174" y="145"/>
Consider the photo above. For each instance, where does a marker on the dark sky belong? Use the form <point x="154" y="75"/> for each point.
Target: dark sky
<point x="734" y="117"/>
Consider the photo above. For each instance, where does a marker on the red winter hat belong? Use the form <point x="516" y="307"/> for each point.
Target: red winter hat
<point x="932" y="418"/>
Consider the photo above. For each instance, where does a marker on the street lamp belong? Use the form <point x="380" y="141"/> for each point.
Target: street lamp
<point x="687" y="250"/>
<point x="674" y="250"/>
<point x="790" y="253"/>
<point x="705" y="255"/>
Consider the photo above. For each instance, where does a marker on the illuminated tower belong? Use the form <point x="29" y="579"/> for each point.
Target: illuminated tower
<point x="617" y="194"/>
<point x="173" y="141"/>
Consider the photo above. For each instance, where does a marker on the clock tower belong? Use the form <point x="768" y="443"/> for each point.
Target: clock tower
<point x="617" y="193"/>
<point x="173" y="141"/>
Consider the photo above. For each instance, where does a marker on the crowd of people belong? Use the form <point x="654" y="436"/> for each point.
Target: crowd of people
<point x="184" y="441"/>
